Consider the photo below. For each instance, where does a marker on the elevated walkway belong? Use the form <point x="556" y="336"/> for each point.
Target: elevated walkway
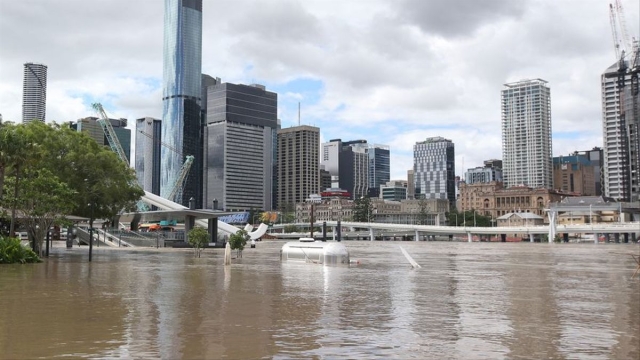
<point x="164" y="204"/>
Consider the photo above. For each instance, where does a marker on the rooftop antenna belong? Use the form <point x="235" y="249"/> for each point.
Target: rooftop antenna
<point x="298" y="113"/>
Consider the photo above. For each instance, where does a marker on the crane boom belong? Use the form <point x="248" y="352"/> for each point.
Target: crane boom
<point x="182" y="176"/>
<point x="623" y="26"/>
<point x="109" y="133"/>
<point x="614" y="31"/>
<point x="161" y="142"/>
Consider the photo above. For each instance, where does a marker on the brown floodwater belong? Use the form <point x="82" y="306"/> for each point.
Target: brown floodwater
<point x="468" y="301"/>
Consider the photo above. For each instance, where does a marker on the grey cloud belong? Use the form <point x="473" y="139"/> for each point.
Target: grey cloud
<point x="457" y="18"/>
<point x="272" y="21"/>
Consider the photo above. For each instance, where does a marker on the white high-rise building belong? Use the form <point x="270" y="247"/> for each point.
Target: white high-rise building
<point x="620" y="126"/>
<point x="34" y="92"/>
<point x="526" y="134"/>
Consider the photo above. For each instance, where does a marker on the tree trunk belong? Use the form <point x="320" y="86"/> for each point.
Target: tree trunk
<point x="12" y="227"/>
<point x="2" y="167"/>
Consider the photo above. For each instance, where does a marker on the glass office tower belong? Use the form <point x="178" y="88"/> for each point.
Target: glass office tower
<point x="181" y="95"/>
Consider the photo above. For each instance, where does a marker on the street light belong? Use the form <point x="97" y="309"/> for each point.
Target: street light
<point x="91" y="231"/>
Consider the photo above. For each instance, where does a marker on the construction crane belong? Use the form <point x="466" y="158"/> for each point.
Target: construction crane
<point x="109" y="133"/>
<point x="114" y="143"/>
<point x="614" y="31"/>
<point x="178" y="183"/>
<point x="629" y="126"/>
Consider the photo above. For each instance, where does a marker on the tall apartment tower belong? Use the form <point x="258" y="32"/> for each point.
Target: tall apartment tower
<point x="620" y="127"/>
<point x="147" y="164"/>
<point x="238" y="146"/>
<point x="526" y="134"/>
<point x="34" y="92"/>
<point x="434" y="169"/>
<point x="298" y="163"/>
<point x="181" y="95"/>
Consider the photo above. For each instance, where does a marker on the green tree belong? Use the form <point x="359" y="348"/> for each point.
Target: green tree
<point x="423" y="215"/>
<point x="362" y="209"/>
<point x="198" y="239"/>
<point x="238" y="241"/>
<point x="291" y="228"/>
<point x="288" y="213"/>
<point x="102" y="184"/>
<point x="43" y="201"/>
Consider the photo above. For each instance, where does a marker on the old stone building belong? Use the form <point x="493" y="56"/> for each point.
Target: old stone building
<point x="494" y="200"/>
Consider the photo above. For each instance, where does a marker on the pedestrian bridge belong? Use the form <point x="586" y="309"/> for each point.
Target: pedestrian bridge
<point x="551" y="230"/>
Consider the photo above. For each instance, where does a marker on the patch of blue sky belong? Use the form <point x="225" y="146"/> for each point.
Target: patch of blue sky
<point x="571" y="135"/>
<point x="89" y="99"/>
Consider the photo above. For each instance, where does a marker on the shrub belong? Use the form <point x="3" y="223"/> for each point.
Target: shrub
<point x="12" y="251"/>
<point x="238" y="240"/>
<point x="198" y="239"/>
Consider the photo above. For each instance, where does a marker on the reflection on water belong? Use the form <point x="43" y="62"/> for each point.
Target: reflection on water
<point x="468" y="301"/>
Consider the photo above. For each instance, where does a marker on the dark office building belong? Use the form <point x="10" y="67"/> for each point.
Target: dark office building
<point x="239" y="158"/>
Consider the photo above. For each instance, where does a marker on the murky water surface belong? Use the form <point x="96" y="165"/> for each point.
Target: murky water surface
<point x="469" y="301"/>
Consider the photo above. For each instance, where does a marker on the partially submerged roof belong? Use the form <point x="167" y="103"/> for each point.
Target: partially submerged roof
<point x="522" y="215"/>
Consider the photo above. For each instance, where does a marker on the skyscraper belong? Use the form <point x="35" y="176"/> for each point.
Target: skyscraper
<point x="434" y="169"/>
<point x="620" y="127"/>
<point x="181" y="95"/>
<point x="298" y="163"/>
<point x="239" y="140"/>
<point x="348" y="164"/>
<point x="34" y="92"/>
<point x="526" y="134"/>
<point x="379" y="168"/>
<point x="148" y="145"/>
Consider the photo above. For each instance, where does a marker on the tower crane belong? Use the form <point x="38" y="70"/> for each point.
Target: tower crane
<point x="114" y="143"/>
<point x="178" y="183"/>
<point x="629" y="126"/>
<point x="614" y="30"/>
<point x="109" y="133"/>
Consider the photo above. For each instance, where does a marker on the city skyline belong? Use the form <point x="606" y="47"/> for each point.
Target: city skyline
<point x="402" y="75"/>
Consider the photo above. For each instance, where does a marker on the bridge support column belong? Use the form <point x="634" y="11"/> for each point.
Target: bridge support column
<point x="626" y="238"/>
<point x="633" y="237"/>
<point x="417" y="235"/>
<point x="469" y="237"/>
<point x="616" y="236"/>
<point x="503" y="237"/>
<point x="530" y="237"/>
<point x="565" y="237"/>
<point x="371" y="236"/>
<point x="333" y="233"/>
<point x="595" y="238"/>
<point x="552" y="225"/>
<point x="607" y="237"/>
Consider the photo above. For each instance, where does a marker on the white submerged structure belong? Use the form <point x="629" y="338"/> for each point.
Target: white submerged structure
<point x="317" y="252"/>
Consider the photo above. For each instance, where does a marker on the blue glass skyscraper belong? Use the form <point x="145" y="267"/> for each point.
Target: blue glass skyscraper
<point x="181" y="130"/>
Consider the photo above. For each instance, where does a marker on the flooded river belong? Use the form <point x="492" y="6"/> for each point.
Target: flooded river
<point x="468" y="301"/>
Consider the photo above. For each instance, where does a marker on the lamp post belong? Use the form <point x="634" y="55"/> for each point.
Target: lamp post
<point x="91" y="231"/>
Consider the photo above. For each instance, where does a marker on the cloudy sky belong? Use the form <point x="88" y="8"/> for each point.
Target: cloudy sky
<point x="391" y="72"/>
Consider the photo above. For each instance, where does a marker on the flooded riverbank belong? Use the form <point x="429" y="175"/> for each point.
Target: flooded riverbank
<point x="479" y="300"/>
